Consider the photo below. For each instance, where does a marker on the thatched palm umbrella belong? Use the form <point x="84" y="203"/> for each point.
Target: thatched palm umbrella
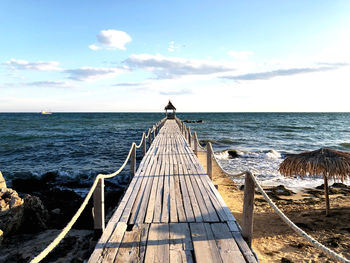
<point x="327" y="162"/>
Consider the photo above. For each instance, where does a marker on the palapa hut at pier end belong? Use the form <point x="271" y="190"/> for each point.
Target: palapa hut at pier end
<point x="170" y="115"/>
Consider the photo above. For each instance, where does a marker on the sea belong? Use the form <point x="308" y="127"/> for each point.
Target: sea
<point x="78" y="146"/>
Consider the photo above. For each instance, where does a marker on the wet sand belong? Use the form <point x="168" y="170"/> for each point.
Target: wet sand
<point x="273" y="240"/>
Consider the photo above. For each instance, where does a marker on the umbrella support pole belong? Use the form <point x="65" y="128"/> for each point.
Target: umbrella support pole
<point x="326" y="195"/>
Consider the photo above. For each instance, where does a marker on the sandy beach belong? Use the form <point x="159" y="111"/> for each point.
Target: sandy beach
<point x="273" y="240"/>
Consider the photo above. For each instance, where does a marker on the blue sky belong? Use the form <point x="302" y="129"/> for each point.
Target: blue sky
<point x="203" y="55"/>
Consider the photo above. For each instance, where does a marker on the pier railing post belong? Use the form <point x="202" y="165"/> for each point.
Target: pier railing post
<point x="209" y="160"/>
<point x="149" y="137"/>
<point x="154" y="132"/>
<point x="144" y="148"/>
<point x="195" y="141"/>
<point x="189" y="136"/>
<point x="248" y="208"/>
<point x="133" y="160"/>
<point x="99" y="209"/>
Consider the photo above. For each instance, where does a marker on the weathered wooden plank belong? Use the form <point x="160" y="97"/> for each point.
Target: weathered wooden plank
<point x="180" y="243"/>
<point x="246" y="251"/>
<point x="152" y="198"/>
<point x="179" y="201"/>
<point x="111" y="248"/>
<point x="205" y="249"/>
<point x="172" y="195"/>
<point x="157" y="249"/>
<point x="207" y="216"/>
<point x="212" y="207"/>
<point x="133" y="245"/>
<point x="192" y="195"/>
<point x="166" y="190"/>
<point x="159" y="194"/>
<point x="229" y="251"/>
<point x="185" y="196"/>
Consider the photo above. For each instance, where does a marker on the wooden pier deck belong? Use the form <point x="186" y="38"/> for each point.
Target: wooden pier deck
<point x="171" y="212"/>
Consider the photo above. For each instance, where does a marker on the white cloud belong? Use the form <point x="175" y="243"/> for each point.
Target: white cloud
<point x="111" y="39"/>
<point x="89" y="73"/>
<point x="38" y="65"/>
<point x="174" y="67"/>
<point x="94" y="47"/>
<point x="240" y="55"/>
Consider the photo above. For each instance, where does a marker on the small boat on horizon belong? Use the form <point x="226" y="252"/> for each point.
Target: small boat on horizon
<point x="45" y="112"/>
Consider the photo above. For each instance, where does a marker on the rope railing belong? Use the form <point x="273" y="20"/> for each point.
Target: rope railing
<point x="97" y="180"/>
<point x="248" y="202"/>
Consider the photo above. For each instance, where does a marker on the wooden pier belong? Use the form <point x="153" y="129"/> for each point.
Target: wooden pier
<point x="171" y="211"/>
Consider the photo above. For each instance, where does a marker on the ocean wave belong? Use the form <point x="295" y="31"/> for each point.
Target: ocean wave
<point x="233" y="153"/>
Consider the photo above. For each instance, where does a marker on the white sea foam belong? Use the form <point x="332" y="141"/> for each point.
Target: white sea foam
<point x="265" y="167"/>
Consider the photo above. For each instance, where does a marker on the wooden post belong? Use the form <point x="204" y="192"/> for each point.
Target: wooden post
<point x="248" y="209"/>
<point x="195" y="141"/>
<point x="326" y="194"/>
<point x="189" y="136"/>
<point x="183" y="128"/>
<point x="149" y="137"/>
<point x="133" y="160"/>
<point x="144" y="147"/>
<point x="209" y="160"/>
<point x="99" y="209"/>
<point x="154" y="132"/>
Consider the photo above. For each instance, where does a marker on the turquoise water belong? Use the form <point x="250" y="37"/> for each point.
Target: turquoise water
<point x="81" y="145"/>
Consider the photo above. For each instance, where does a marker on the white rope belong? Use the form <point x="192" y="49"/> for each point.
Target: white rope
<point x="70" y="224"/>
<point x="141" y="142"/>
<point x="295" y="228"/>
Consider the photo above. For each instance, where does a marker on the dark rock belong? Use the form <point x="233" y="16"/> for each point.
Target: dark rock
<point x="11" y="211"/>
<point x="340" y="185"/>
<point x="316" y="193"/>
<point x="233" y="153"/>
<point x="286" y="260"/>
<point x="49" y="177"/>
<point x="281" y="190"/>
<point x="320" y="187"/>
<point x="28" y="185"/>
<point x="35" y="215"/>
<point x="333" y="242"/>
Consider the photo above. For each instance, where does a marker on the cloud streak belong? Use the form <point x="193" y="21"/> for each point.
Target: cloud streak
<point x="279" y="73"/>
<point x="175" y="67"/>
<point x="90" y="74"/>
<point x="178" y="92"/>
<point x="111" y="39"/>
<point x="129" y="84"/>
<point x="49" y="84"/>
<point x="15" y="64"/>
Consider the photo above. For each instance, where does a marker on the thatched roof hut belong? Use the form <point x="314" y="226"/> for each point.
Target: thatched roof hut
<point x="170" y="106"/>
<point x="326" y="162"/>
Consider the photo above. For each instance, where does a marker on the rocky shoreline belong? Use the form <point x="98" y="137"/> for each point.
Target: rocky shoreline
<point x="33" y="212"/>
